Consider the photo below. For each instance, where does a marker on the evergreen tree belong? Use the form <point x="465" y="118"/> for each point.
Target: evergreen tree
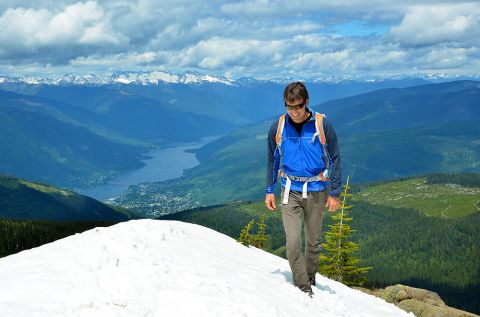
<point x="339" y="263"/>
<point x="260" y="239"/>
<point x="245" y="236"/>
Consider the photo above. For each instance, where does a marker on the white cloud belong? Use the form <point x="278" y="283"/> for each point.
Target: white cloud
<point x="430" y="25"/>
<point x="222" y="53"/>
<point x="261" y="38"/>
<point x="98" y="34"/>
<point x="448" y="58"/>
<point x="29" y="30"/>
<point x="117" y="60"/>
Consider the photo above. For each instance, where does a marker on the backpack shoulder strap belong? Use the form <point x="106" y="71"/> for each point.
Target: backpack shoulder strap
<point x="319" y="126"/>
<point x="281" y="125"/>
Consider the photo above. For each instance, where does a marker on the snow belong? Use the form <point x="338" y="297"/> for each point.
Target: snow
<point x="194" y="77"/>
<point x="162" y="76"/>
<point x="32" y="80"/>
<point x="166" y="268"/>
<point x="123" y="80"/>
<point x="145" y="78"/>
<point x="155" y="77"/>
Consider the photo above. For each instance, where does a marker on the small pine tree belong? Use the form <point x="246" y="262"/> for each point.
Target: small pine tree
<point x="340" y="264"/>
<point x="245" y="236"/>
<point x="260" y="239"/>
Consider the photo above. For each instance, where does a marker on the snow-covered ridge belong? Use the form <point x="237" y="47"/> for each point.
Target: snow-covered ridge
<point x="142" y="78"/>
<point x="195" y="78"/>
<point x="166" y="268"/>
<point x="155" y="77"/>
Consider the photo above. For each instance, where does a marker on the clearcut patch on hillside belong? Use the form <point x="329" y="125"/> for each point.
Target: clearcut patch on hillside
<point x="436" y="200"/>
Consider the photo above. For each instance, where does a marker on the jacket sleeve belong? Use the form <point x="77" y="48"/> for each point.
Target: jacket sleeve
<point x="334" y="152"/>
<point x="272" y="162"/>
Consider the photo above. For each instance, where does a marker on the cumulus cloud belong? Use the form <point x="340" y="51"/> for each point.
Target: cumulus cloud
<point x="29" y="31"/>
<point x="260" y="38"/>
<point x="430" y="25"/>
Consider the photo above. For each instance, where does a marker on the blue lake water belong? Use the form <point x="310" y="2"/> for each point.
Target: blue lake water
<point x="166" y="163"/>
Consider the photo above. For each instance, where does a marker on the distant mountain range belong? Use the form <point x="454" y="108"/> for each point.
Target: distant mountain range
<point x="155" y="77"/>
<point x="142" y="78"/>
<point x="78" y="131"/>
<point x="384" y="134"/>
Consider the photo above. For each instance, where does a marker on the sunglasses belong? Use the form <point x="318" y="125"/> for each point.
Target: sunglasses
<point x="296" y="107"/>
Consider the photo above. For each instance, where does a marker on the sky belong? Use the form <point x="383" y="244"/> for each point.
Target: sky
<point x="243" y="38"/>
<point x="167" y="268"/>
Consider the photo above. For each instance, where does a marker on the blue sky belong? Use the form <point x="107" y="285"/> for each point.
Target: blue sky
<point x="255" y="38"/>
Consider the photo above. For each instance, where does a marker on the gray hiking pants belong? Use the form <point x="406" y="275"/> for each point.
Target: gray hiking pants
<point x="312" y="209"/>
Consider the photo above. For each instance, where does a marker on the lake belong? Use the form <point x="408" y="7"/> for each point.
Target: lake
<point x="165" y="163"/>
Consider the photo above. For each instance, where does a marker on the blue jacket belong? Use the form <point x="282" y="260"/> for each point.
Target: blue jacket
<point x="302" y="157"/>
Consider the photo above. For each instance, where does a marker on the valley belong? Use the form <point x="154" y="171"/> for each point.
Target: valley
<point x="412" y="154"/>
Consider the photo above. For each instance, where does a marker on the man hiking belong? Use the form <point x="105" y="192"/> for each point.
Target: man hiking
<point x="303" y="151"/>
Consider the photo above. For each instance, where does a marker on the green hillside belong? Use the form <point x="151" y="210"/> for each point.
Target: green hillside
<point x="385" y="134"/>
<point x="89" y="136"/>
<point x="24" y="200"/>
<point x="44" y="149"/>
<point x="447" y="200"/>
<point x="412" y="107"/>
<point x="401" y="242"/>
<point x="233" y="167"/>
<point x="136" y="116"/>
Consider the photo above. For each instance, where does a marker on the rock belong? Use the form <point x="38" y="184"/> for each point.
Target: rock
<point x="421" y="309"/>
<point x="421" y="302"/>
<point x="397" y="293"/>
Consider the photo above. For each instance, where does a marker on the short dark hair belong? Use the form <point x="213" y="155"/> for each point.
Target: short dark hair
<point x="295" y="91"/>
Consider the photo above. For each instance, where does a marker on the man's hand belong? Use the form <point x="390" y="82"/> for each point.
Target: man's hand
<point x="270" y="201"/>
<point x="332" y="203"/>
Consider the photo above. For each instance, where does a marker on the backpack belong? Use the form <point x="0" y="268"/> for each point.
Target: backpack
<point x="323" y="176"/>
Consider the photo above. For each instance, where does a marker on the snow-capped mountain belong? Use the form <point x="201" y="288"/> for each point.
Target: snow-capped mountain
<point x="155" y="77"/>
<point x="195" y="78"/>
<point x="166" y="268"/>
<point x="142" y="78"/>
<point x="67" y="79"/>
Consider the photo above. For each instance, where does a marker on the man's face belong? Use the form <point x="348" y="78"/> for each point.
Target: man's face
<point x="297" y="110"/>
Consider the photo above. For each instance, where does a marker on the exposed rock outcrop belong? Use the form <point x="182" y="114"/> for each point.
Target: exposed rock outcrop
<point x="421" y="302"/>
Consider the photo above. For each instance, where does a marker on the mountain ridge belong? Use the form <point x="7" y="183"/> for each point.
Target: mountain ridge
<point x="21" y="199"/>
<point x="368" y="153"/>
<point x="154" y="77"/>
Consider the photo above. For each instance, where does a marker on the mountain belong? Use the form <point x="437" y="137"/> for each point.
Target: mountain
<point x="137" y="116"/>
<point x="145" y="267"/>
<point x="53" y="142"/>
<point x="412" y="107"/>
<point x="156" y="77"/>
<point x="414" y="137"/>
<point x="22" y="199"/>
<point x="241" y="101"/>
<point x="99" y="134"/>
<point x="126" y="77"/>
<point x="444" y="148"/>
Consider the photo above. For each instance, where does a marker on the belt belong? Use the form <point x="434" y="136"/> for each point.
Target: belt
<point x="323" y="176"/>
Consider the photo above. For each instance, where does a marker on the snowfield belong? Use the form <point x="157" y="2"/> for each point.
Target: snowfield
<point x="166" y="268"/>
